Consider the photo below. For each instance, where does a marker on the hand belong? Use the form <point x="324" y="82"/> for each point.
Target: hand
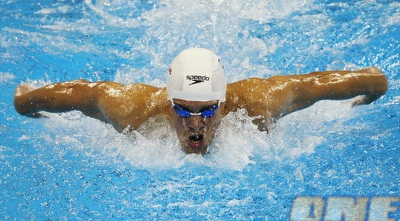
<point x="22" y="90"/>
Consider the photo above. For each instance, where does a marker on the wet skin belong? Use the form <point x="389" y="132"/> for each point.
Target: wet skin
<point x="195" y="133"/>
<point x="129" y="106"/>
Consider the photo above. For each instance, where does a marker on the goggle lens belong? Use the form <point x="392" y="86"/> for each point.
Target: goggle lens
<point x="183" y="112"/>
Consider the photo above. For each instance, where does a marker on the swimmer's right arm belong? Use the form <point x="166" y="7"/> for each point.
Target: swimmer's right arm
<point x="111" y="102"/>
<point x="60" y="97"/>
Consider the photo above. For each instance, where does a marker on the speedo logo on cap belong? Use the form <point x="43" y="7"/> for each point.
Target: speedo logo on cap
<point x="197" y="79"/>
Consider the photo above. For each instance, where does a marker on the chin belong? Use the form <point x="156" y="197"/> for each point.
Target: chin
<point x="190" y="150"/>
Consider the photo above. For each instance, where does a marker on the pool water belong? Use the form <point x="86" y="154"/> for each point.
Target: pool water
<point x="71" y="167"/>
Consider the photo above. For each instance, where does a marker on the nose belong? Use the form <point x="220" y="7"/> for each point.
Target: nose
<point x="195" y="123"/>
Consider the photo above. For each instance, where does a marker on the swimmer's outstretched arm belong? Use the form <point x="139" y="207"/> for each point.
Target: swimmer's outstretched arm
<point x="114" y="103"/>
<point x="339" y="85"/>
<point x="278" y="96"/>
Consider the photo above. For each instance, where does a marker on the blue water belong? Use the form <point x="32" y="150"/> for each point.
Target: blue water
<point x="70" y="167"/>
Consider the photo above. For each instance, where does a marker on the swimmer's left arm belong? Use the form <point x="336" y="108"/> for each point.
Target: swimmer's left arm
<point x="272" y="98"/>
<point x="337" y="85"/>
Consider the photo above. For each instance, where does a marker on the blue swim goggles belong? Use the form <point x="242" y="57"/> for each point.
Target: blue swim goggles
<point x="184" y="112"/>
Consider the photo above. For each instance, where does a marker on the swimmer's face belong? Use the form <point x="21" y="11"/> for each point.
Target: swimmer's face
<point x="196" y="132"/>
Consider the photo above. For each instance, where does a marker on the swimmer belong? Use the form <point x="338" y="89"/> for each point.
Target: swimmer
<point x="197" y="97"/>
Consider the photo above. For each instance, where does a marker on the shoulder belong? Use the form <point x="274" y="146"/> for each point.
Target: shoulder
<point x="256" y="82"/>
<point x="136" y="93"/>
<point x="140" y="90"/>
<point x="244" y="85"/>
<point x="258" y="95"/>
<point x="253" y="85"/>
<point x="243" y="93"/>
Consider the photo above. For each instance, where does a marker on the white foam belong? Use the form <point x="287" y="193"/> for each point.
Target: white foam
<point x="50" y="43"/>
<point x="300" y="133"/>
<point x="263" y="11"/>
<point x="237" y="142"/>
<point x="169" y="28"/>
<point x="215" y="25"/>
<point x="393" y="19"/>
<point x="6" y="77"/>
<point x="110" y="19"/>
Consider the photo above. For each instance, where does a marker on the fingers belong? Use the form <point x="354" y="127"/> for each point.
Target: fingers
<point x="23" y="89"/>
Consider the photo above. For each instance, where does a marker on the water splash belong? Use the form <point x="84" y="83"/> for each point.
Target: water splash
<point x="236" y="145"/>
<point x="157" y="34"/>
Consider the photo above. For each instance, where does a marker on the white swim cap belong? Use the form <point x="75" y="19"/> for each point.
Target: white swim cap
<point x="196" y="74"/>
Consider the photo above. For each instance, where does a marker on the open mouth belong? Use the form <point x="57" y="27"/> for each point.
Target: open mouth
<point x="196" y="141"/>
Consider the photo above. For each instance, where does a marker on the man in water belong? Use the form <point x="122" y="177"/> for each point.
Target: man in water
<point x="197" y="97"/>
